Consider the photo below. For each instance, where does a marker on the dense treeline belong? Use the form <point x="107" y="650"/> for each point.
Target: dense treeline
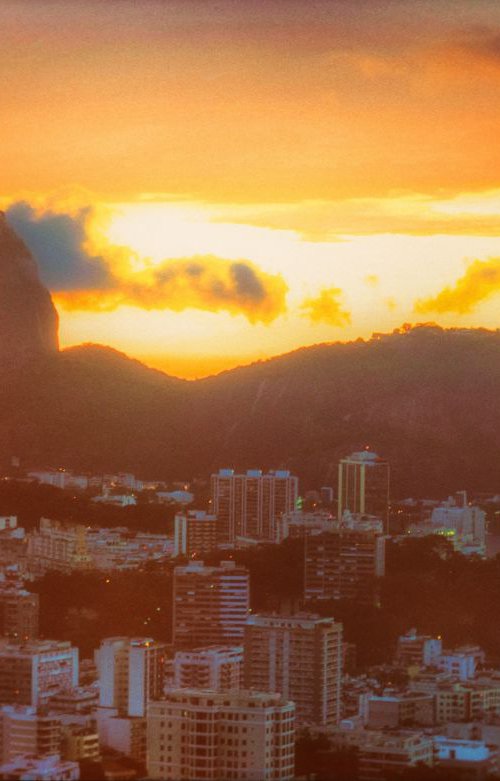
<point x="87" y="607"/>
<point x="276" y="573"/>
<point x="31" y="501"/>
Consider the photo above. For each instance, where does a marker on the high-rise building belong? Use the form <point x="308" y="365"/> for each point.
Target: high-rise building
<point x="131" y="672"/>
<point x="19" y="610"/>
<point x="248" y="505"/>
<point x="195" y="533"/>
<point x="235" y="736"/>
<point x="33" y="672"/>
<point x="346" y="562"/>
<point x="217" y="667"/>
<point x="25" y="731"/>
<point x="210" y="604"/>
<point x="299" y="657"/>
<point x="363" y="486"/>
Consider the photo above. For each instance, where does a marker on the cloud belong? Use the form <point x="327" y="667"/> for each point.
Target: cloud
<point x="201" y="282"/>
<point x="326" y="308"/>
<point x="469" y="214"/>
<point x="57" y="241"/>
<point x="480" y="281"/>
<point x="82" y="280"/>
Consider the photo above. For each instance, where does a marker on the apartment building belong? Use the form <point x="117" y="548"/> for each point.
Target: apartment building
<point x="24" y="731"/>
<point x="58" y="546"/>
<point x="218" y="667"/>
<point x="299" y="524"/>
<point x="210" y="604"/>
<point x="33" y="672"/>
<point x="195" y="533"/>
<point x="414" y="650"/>
<point x="345" y="563"/>
<point x="385" y="752"/>
<point x="299" y="657"/>
<point x="235" y="736"/>
<point x="363" y="486"/>
<point x="405" y="710"/>
<point x="249" y="505"/>
<point x="125" y="734"/>
<point x="131" y="672"/>
<point x="80" y="743"/>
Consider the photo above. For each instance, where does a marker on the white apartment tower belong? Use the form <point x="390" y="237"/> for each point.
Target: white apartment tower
<point x="130" y="673"/>
<point x="249" y="504"/>
<point x="235" y="736"/>
<point x="210" y="604"/>
<point x="299" y="657"/>
<point x="33" y="672"/>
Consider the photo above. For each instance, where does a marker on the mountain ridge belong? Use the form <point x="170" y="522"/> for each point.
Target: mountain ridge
<point x="425" y="397"/>
<point x="28" y="317"/>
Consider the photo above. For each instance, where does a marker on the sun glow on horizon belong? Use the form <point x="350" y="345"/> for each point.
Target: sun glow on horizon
<point x="377" y="277"/>
<point x="210" y="184"/>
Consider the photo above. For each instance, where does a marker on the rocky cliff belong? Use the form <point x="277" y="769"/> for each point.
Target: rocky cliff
<point x="28" y="318"/>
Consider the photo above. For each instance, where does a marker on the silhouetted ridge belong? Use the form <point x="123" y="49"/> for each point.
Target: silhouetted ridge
<point x="425" y="398"/>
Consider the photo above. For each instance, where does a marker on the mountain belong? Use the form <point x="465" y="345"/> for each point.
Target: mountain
<point x="28" y="318"/>
<point x="425" y="398"/>
<point x="94" y="408"/>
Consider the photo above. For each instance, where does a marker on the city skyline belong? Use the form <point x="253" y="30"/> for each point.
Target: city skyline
<point x="288" y="570"/>
<point x="208" y="185"/>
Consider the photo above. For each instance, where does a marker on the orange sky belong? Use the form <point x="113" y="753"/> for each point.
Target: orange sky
<point x="223" y="181"/>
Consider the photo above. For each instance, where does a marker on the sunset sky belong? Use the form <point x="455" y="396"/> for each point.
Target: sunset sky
<point x="209" y="183"/>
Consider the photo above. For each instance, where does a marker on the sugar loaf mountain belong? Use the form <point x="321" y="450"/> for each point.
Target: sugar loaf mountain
<point x="428" y="399"/>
